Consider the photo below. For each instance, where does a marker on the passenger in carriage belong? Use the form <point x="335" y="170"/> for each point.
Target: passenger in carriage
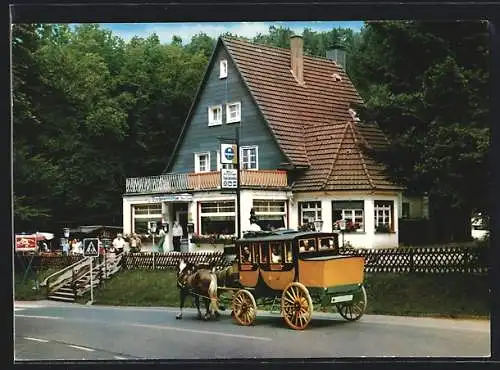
<point x="275" y="255"/>
<point x="246" y="256"/>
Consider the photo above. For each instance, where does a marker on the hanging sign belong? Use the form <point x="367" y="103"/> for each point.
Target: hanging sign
<point x="228" y="154"/>
<point x="229" y="178"/>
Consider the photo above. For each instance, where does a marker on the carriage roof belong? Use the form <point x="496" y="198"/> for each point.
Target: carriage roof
<point x="279" y="235"/>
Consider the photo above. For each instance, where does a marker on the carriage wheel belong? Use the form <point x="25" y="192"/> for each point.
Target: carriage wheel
<point x="353" y="310"/>
<point x="296" y="306"/>
<point x="244" y="307"/>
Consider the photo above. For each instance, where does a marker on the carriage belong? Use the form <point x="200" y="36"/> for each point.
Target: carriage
<point x="299" y="269"/>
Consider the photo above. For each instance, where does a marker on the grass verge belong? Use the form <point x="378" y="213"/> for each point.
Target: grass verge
<point x="447" y="295"/>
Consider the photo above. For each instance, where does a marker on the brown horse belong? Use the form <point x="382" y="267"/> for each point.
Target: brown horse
<point x="197" y="282"/>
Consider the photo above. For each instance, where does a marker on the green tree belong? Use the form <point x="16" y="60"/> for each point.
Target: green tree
<point x="426" y="84"/>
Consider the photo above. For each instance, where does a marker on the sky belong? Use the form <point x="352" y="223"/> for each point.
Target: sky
<point x="165" y="31"/>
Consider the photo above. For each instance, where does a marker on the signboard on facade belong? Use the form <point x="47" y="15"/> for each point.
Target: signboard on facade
<point x="228" y="154"/>
<point x="171" y="198"/>
<point x="229" y="178"/>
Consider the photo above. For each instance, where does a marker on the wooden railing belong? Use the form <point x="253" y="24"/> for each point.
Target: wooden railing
<point x="61" y="277"/>
<point x="179" y="182"/>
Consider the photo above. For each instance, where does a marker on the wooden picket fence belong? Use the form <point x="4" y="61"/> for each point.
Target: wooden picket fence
<point x="424" y="260"/>
<point x="397" y="260"/>
<point x="162" y="261"/>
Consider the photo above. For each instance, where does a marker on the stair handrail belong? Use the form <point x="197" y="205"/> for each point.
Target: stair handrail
<point x="60" y="272"/>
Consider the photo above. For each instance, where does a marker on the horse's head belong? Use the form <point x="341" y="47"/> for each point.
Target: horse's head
<point x="184" y="270"/>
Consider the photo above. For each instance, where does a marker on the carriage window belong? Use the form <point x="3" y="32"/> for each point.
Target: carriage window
<point x="246" y="254"/>
<point x="307" y="245"/>
<point x="288" y="253"/>
<point x="327" y="243"/>
<point x="264" y="253"/>
<point x="256" y="252"/>
<point x="276" y="252"/>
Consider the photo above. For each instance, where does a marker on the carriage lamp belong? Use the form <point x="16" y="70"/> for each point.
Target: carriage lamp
<point x="66" y="232"/>
<point x="318" y="224"/>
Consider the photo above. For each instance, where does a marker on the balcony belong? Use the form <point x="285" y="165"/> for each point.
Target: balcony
<point x="182" y="182"/>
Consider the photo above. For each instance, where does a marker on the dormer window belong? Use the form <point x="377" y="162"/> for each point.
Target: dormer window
<point x="353" y="115"/>
<point x="215" y="115"/>
<point x="233" y="112"/>
<point x="223" y="69"/>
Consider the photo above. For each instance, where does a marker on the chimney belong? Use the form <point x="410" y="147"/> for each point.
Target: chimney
<point x="297" y="57"/>
<point x="338" y="56"/>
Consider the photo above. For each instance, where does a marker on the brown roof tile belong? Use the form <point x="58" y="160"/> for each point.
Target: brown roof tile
<point x="311" y="122"/>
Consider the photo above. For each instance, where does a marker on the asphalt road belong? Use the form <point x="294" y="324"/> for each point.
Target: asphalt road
<point x="60" y="331"/>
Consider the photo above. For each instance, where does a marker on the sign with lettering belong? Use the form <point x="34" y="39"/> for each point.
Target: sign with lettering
<point x="228" y="154"/>
<point x="229" y="178"/>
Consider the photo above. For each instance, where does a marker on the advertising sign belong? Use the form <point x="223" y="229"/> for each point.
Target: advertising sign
<point x="229" y="178"/>
<point x="228" y="154"/>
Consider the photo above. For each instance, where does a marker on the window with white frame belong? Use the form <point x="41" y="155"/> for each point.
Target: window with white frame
<point x="309" y="211"/>
<point x="352" y="212"/>
<point x="383" y="217"/>
<point x="249" y="156"/>
<point x="142" y="214"/>
<point x="224" y="165"/>
<point x="218" y="217"/>
<point x="202" y="162"/>
<point x="233" y="112"/>
<point x="223" y="68"/>
<point x="215" y="115"/>
<point x="271" y="214"/>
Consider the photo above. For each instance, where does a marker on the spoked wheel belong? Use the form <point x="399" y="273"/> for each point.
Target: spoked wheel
<point x="244" y="307"/>
<point x="353" y="310"/>
<point x="296" y="306"/>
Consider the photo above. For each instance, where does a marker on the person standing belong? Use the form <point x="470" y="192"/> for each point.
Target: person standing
<point x="177" y="233"/>
<point x="118" y="243"/>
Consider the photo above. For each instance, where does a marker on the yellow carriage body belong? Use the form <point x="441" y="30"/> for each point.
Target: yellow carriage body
<point x="331" y="271"/>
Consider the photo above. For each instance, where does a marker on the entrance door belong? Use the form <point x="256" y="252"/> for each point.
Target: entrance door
<point x="182" y="216"/>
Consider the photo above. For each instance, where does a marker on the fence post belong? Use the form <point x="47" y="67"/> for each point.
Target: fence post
<point x="466" y="260"/>
<point x="412" y="267"/>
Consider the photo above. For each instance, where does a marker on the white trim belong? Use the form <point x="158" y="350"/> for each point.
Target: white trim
<point x="256" y="156"/>
<point x="238" y="117"/>
<point x="223" y="68"/>
<point x="211" y="121"/>
<point x="197" y="162"/>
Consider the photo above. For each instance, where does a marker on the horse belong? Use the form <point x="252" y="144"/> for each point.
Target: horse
<point x="198" y="282"/>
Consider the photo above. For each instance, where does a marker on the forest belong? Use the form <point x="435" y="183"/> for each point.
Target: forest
<point x="91" y="109"/>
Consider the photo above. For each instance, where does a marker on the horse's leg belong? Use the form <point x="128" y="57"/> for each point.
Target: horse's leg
<point x="207" y="305"/>
<point x="183" y="297"/>
<point x="197" y="301"/>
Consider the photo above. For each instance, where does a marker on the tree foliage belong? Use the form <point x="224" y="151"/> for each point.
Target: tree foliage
<point x="426" y="84"/>
<point x="91" y="110"/>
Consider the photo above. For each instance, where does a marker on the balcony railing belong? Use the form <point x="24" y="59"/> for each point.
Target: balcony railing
<point x="181" y="182"/>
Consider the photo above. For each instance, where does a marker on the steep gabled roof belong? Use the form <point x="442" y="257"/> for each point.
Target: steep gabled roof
<point x="288" y="107"/>
<point x="338" y="161"/>
<point x="311" y="122"/>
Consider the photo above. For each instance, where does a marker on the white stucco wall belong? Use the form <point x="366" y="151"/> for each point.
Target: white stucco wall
<point x="365" y="239"/>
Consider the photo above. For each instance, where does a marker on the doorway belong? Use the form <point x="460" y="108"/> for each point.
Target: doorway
<point x="182" y="216"/>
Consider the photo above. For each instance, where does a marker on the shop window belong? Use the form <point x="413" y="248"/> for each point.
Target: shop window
<point x="271" y="214"/>
<point x="217" y="217"/>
